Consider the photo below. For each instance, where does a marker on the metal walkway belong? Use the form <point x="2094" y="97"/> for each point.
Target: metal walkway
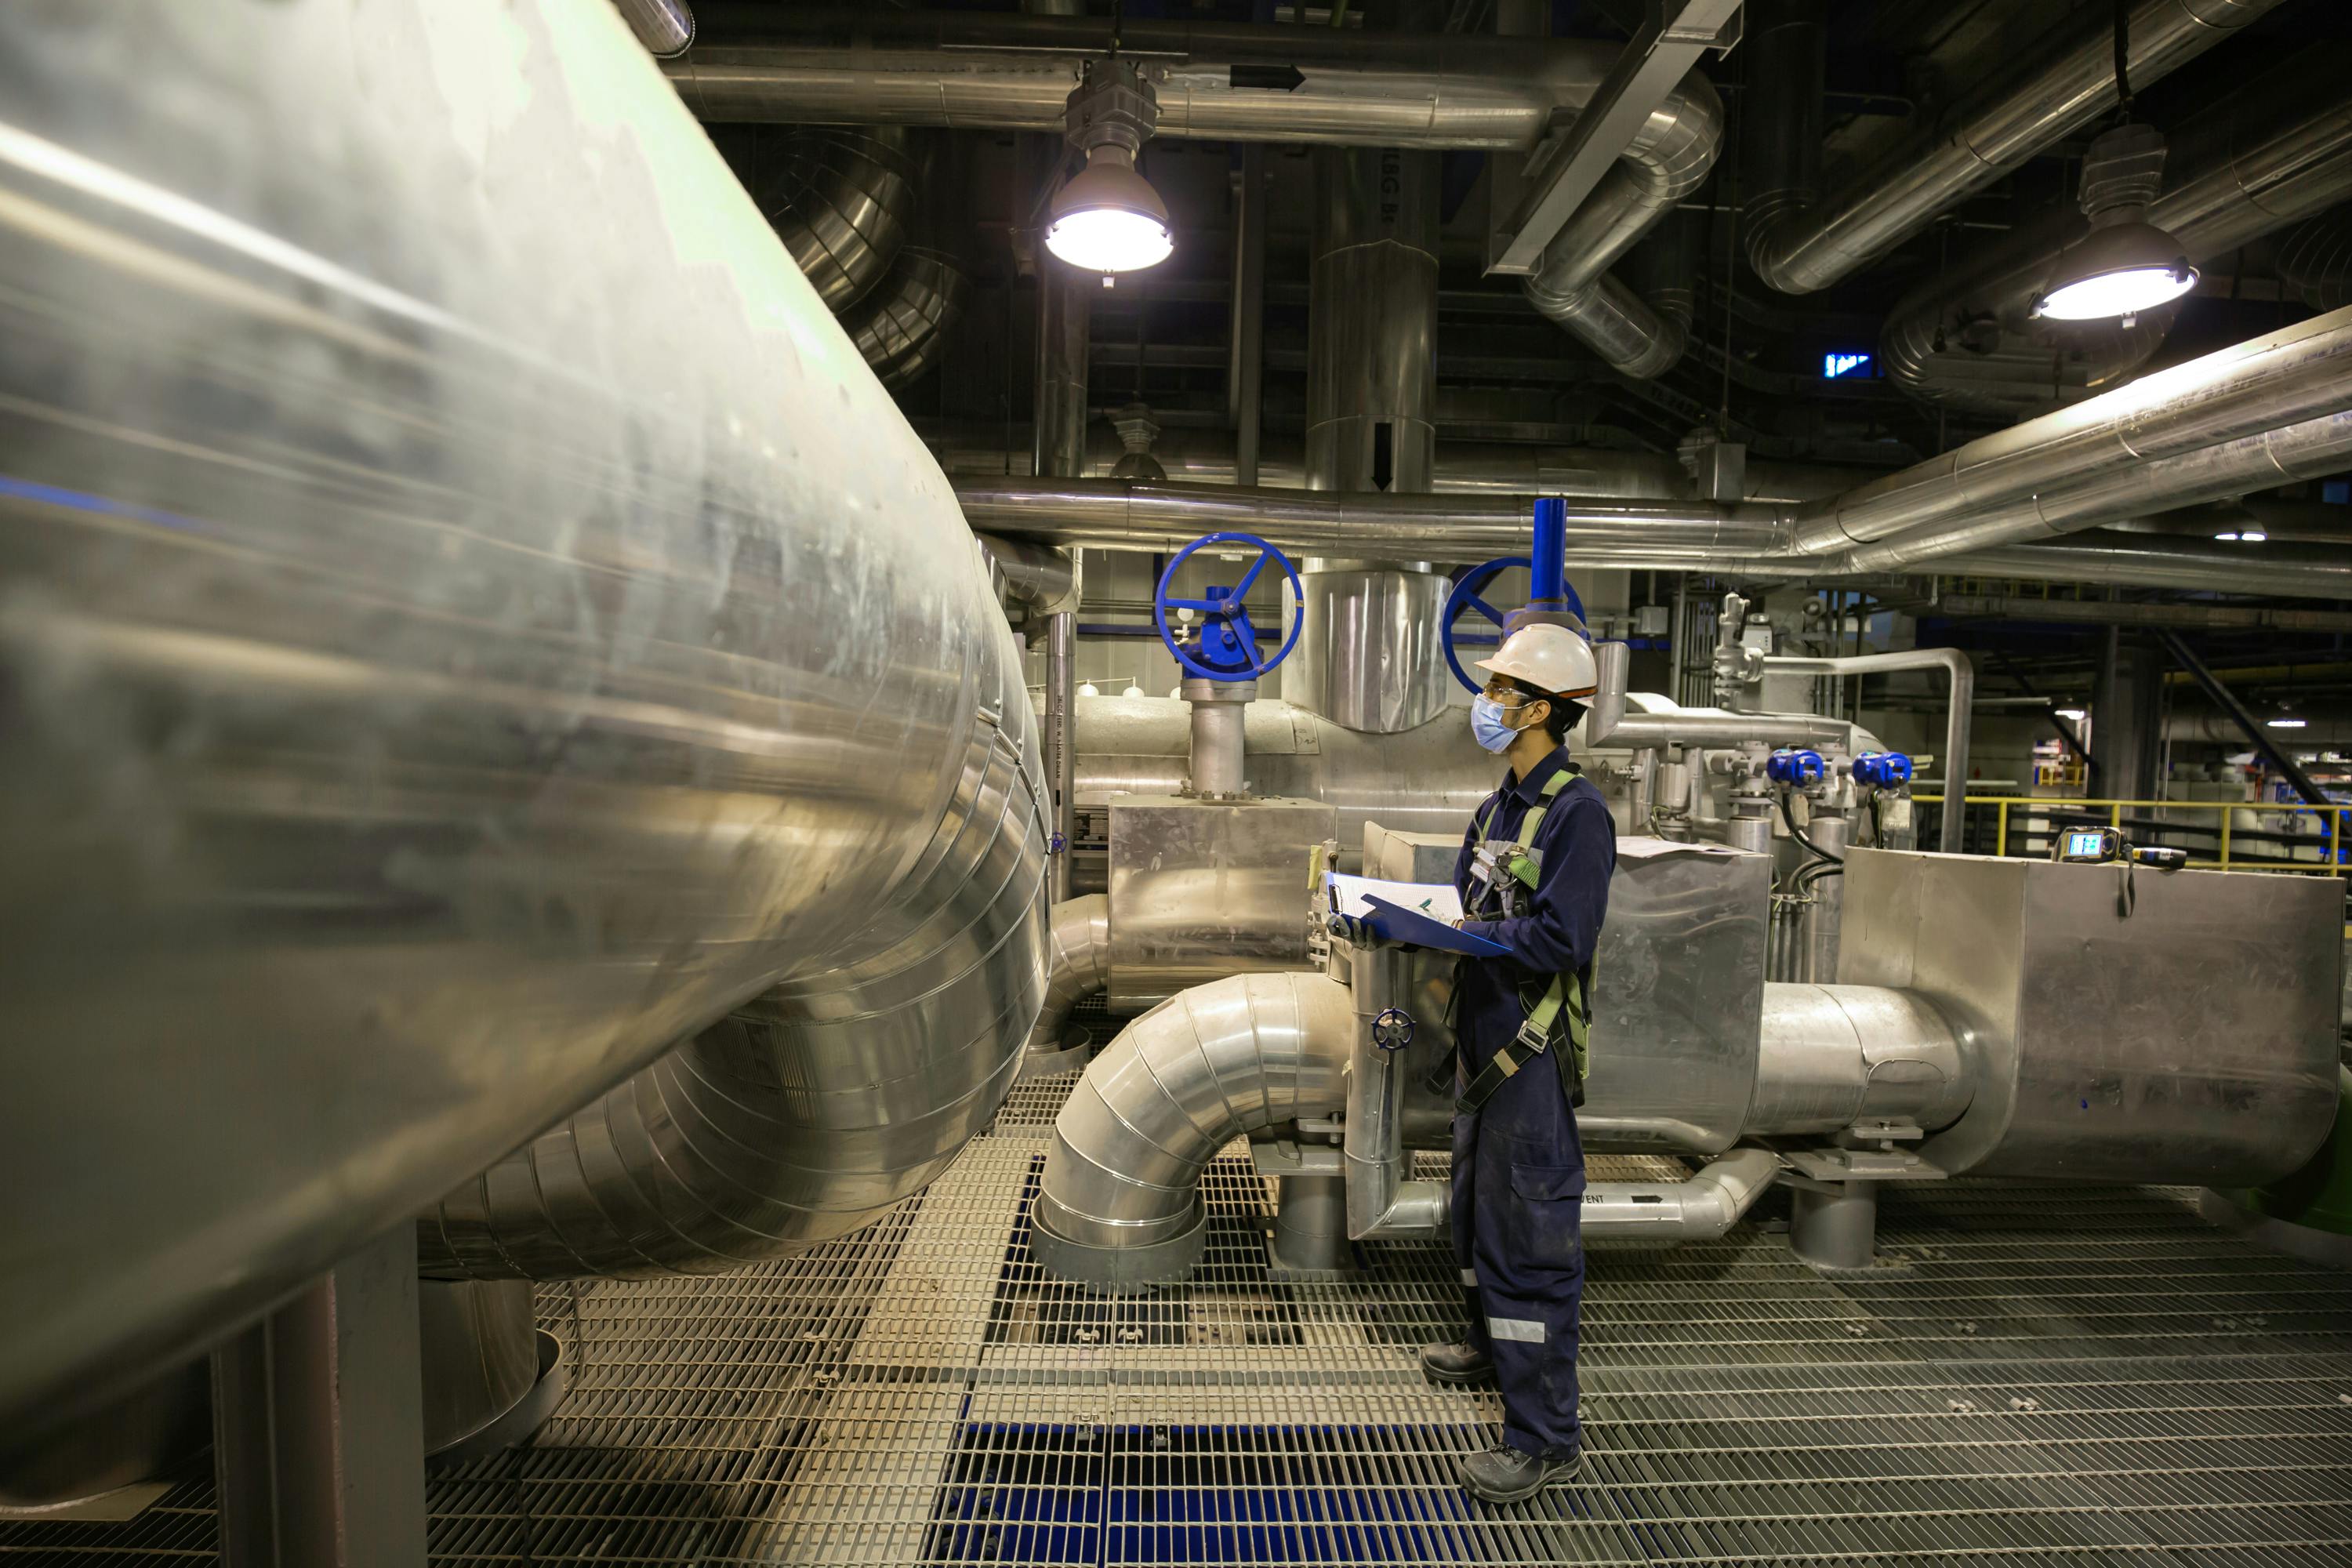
<point x="2053" y="1377"/>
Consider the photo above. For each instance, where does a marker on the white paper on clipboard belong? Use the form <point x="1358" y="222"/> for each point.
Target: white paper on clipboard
<point x="1438" y="901"/>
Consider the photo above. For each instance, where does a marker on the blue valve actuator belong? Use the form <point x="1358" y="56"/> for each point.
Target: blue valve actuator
<point x="1792" y="766"/>
<point x="1883" y="770"/>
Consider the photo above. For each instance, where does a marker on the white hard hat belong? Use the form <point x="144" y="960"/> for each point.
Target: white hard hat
<point x="1548" y="657"/>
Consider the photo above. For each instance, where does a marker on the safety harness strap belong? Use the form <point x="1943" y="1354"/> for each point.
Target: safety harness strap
<point x="1534" y="1038"/>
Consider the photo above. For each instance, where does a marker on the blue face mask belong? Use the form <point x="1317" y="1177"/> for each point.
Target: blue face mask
<point x="1486" y="725"/>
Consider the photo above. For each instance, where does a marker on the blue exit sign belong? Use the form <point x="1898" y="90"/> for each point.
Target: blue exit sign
<point x="1850" y="366"/>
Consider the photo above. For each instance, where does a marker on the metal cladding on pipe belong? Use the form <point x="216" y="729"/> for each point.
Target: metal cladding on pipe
<point x="665" y="27"/>
<point x="1041" y="580"/>
<point x="1078" y="966"/>
<point x="455" y="649"/>
<point x="1204" y="1067"/>
<point x="1667" y="1213"/>
<point x="843" y="201"/>
<point x="2277" y="149"/>
<point x="1834" y="1056"/>
<point x="901" y="326"/>
<point x="817" y="1105"/>
<point x="1671" y="157"/>
<point x="1134" y="515"/>
<point x="2255" y="391"/>
<point x="2308" y="450"/>
<point x="1799" y="245"/>
<point x="992" y="71"/>
<point x="2200" y="566"/>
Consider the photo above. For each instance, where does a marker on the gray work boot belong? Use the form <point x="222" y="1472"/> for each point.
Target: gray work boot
<point x="1461" y="1363"/>
<point x="1506" y="1475"/>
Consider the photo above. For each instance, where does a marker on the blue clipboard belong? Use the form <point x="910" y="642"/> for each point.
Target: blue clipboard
<point x="1397" y="923"/>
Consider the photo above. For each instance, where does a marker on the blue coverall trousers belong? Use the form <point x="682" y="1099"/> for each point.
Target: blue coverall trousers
<point x="1518" y="1191"/>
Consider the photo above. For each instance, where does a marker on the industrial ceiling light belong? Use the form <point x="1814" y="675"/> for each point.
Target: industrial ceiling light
<point x="2243" y="536"/>
<point x="2287" y="722"/>
<point x="1109" y="219"/>
<point x="2126" y="264"/>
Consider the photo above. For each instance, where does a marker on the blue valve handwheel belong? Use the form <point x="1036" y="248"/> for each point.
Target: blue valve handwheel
<point x="1228" y="645"/>
<point x="1392" y="1030"/>
<point x="1466" y="597"/>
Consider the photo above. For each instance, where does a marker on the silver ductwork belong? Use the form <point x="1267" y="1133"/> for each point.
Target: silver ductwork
<point x="1398" y="91"/>
<point x="2252" y="415"/>
<point x="2277" y="149"/>
<point x="665" y="27"/>
<point x="1207" y="1066"/>
<point x="1194" y="455"/>
<point x="448" y="664"/>
<point x="816" y="1106"/>
<point x="901" y="326"/>
<point x="1635" y="335"/>
<point x="1078" y="966"/>
<point x="1799" y="243"/>
<point x="1119" y="1202"/>
<point x="843" y="201"/>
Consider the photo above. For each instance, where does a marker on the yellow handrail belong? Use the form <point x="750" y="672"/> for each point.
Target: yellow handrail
<point x="2229" y="850"/>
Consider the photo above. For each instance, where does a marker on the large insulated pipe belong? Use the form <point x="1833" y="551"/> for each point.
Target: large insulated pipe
<point x="1078" y="966"/>
<point x="1397" y="90"/>
<point x="1665" y="536"/>
<point x="1572" y="285"/>
<point x="665" y="27"/>
<point x="1960" y="679"/>
<point x="843" y="201"/>
<point x="991" y="71"/>
<point x="2277" y="149"/>
<point x="1797" y="243"/>
<point x="1120" y="1201"/>
<point x="2253" y="414"/>
<point x="455" y="649"/>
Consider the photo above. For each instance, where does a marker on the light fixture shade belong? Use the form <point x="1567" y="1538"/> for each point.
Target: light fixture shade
<point x="1109" y="219"/>
<point x="2116" y="270"/>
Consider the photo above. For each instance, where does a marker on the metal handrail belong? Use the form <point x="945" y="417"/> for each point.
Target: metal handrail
<point x="2014" y="840"/>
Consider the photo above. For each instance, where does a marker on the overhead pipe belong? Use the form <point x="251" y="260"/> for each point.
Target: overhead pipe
<point x="1115" y="514"/>
<point x="1572" y="285"/>
<point x="1401" y="91"/>
<point x="2277" y="149"/>
<point x="1041" y="579"/>
<point x="843" y="201"/>
<point x="2251" y="416"/>
<point x="995" y="71"/>
<point x="665" y="27"/>
<point x="1959" y="704"/>
<point x="1800" y="244"/>
<point x="1207" y="457"/>
<point x="441" y="681"/>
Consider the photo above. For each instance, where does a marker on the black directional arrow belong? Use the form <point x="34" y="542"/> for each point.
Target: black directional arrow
<point x="1272" y="78"/>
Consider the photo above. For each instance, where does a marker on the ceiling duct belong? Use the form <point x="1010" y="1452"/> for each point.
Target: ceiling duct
<point x="2275" y="150"/>
<point x="2315" y="258"/>
<point x="1799" y="242"/>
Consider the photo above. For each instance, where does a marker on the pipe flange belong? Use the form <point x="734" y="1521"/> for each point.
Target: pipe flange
<point x="1122" y="1270"/>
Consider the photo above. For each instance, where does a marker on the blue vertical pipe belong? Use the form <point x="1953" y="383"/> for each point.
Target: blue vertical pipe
<point x="1550" y="554"/>
<point x="1548" y="588"/>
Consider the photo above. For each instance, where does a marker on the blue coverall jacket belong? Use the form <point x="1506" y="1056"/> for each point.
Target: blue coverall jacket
<point x="1518" y="1166"/>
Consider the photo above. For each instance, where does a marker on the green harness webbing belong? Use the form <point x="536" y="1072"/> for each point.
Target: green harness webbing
<point x="1566" y="990"/>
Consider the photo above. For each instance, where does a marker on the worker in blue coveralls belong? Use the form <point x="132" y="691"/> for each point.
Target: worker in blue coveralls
<point x="1533" y="875"/>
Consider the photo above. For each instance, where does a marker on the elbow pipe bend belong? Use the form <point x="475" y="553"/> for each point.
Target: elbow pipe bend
<point x="1120" y="1202"/>
<point x="1077" y="964"/>
<point x="812" y="1108"/>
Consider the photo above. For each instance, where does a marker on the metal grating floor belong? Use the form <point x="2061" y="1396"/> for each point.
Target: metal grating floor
<point x="2056" y="1377"/>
